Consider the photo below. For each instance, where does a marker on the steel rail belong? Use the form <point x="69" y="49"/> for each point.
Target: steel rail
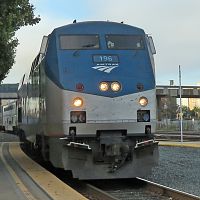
<point x="167" y="191"/>
<point x="97" y="193"/>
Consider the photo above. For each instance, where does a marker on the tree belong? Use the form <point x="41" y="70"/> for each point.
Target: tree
<point x="196" y="112"/>
<point x="186" y="112"/>
<point x="13" y="15"/>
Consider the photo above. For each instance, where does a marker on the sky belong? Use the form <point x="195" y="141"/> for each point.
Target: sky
<point x="174" y="26"/>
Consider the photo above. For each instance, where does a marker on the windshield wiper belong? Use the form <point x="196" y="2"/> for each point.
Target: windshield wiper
<point x="89" y="45"/>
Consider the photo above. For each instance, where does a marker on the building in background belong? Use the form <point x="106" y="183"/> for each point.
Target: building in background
<point x="193" y="102"/>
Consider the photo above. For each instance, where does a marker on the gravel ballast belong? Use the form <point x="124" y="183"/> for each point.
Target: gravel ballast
<point x="178" y="168"/>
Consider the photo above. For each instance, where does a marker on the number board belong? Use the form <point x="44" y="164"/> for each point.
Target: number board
<point x="105" y="58"/>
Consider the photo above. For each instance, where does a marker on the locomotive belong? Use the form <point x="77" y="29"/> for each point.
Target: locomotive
<point x="88" y="104"/>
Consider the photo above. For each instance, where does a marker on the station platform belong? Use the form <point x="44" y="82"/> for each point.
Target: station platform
<point x="195" y="144"/>
<point x="22" y="178"/>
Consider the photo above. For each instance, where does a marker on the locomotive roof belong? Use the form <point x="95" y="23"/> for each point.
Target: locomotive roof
<point x="94" y="27"/>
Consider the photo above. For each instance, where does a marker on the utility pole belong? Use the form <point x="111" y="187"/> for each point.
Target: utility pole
<point x="181" y="112"/>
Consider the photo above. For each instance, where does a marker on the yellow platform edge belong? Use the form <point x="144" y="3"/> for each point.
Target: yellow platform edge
<point x="53" y="186"/>
<point x="179" y="144"/>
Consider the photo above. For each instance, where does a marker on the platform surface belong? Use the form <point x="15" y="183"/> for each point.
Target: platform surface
<point x="21" y="178"/>
<point x="180" y="144"/>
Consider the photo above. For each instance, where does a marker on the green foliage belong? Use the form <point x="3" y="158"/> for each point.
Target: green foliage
<point x="13" y="15"/>
<point x="186" y="112"/>
<point x="195" y="112"/>
<point x="189" y="114"/>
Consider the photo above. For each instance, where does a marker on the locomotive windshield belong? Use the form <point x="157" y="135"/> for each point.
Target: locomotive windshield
<point x="79" y="42"/>
<point x="124" y="42"/>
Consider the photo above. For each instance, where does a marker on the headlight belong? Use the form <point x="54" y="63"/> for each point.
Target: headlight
<point x="103" y="86"/>
<point x="77" y="102"/>
<point x="143" y="101"/>
<point x="115" y="86"/>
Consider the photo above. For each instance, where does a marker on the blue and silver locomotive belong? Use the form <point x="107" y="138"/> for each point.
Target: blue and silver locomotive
<point x="89" y="103"/>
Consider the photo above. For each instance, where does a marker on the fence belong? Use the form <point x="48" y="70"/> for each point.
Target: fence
<point x="174" y="125"/>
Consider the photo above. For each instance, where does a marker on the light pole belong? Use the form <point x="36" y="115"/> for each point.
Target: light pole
<point x="181" y="112"/>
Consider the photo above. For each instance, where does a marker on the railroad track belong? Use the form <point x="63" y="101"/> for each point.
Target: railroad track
<point x="93" y="193"/>
<point x="141" y="189"/>
<point x="172" y="194"/>
<point x="187" y="136"/>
